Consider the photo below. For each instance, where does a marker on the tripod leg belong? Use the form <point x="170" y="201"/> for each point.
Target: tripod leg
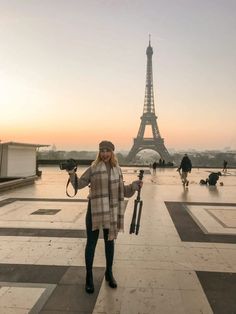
<point x="139" y="217"/>
<point x="132" y="225"/>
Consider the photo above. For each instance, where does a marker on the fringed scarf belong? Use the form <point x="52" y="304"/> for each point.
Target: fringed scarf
<point x="107" y="199"/>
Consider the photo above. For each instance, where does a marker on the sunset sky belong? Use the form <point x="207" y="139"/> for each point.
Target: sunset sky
<point x="72" y="72"/>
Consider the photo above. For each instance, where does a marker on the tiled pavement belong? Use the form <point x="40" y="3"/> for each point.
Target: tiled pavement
<point x="182" y="261"/>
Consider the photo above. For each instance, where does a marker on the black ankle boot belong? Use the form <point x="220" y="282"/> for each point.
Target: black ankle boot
<point x="89" y="287"/>
<point x="111" y="280"/>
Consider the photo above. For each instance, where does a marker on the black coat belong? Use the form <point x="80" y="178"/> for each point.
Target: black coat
<point x="186" y="164"/>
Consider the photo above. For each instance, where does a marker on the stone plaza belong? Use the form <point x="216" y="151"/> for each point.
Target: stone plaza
<point x="183" y="260"/>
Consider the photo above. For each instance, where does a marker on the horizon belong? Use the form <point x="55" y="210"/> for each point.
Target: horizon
<point x="74" y="74"/>
<point x="171" y="150"/>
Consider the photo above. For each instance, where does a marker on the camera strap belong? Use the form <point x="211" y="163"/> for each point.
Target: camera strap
<point x="75" y="189"/>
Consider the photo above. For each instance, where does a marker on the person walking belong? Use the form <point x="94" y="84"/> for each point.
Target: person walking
<point x="185" y="168"/>
<point x="154" y="167"/>
<point x="105" y="207"/>
<point x="225" y="163"/>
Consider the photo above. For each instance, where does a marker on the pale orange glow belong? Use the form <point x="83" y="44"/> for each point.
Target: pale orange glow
<point x="76" y="75"/>
<point x="68" y="138"/>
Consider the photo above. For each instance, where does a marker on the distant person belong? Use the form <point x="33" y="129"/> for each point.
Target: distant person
<point x="154" y="167"/>
<point x="105" y="207"/>
<point x="225" y="163"/>
<point x="185" y="168"/>
<point x="213" y="178"/>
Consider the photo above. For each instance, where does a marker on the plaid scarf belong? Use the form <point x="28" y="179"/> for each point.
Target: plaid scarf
<point x="107" y="199"/>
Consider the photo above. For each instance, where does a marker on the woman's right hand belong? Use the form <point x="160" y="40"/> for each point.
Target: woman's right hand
<point x="136" y="185"/>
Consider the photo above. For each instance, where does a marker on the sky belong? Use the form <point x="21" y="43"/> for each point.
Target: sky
<point x="72" y="72"/>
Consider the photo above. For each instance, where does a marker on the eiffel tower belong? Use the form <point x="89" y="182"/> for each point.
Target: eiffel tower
<point x="155" y="142"/>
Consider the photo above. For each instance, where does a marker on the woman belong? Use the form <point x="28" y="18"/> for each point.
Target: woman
<point x="105" y="207"/>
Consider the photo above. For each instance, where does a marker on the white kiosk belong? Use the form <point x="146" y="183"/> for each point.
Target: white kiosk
<point x="18" y="159"/>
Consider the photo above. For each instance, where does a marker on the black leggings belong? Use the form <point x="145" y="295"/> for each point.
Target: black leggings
<point x="92" y="238"/>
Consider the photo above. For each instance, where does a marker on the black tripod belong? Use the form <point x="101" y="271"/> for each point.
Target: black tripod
<point x="138" y="204"/>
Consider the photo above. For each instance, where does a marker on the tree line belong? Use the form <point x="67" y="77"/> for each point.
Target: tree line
<point x="208" y="159"/>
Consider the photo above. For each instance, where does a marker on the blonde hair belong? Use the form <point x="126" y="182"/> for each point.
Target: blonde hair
<point x="113" y="160"/>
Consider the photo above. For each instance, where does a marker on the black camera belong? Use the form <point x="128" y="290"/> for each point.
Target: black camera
<point x="69" y="164"/>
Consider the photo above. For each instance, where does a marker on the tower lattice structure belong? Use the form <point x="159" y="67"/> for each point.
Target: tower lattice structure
<point x="149" y="118"/>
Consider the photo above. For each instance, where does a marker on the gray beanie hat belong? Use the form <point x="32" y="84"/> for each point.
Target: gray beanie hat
<point x="106" y="145"/>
